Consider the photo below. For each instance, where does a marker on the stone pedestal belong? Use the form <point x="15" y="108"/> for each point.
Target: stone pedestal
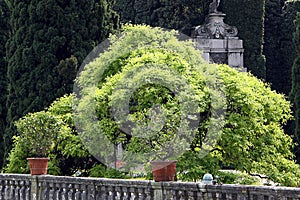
<point x="219" y="42"/>
<point x="222" y="51"/>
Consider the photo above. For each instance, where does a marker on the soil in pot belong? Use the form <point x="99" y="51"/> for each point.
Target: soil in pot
<point x="163" y="170"/>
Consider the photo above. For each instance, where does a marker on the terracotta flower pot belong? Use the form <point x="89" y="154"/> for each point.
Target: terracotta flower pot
<point x="38" y="166"/>
<point x="163" y="170"/>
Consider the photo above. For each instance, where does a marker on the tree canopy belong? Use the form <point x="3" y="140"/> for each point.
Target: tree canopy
<point x="252" y="139"/>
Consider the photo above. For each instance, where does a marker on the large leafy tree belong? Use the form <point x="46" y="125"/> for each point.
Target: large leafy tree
<point x="253" y="139"/>
<point x="48" y="43"/>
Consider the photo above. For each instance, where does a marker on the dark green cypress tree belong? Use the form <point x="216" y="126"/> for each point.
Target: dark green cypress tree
<point x="173" y="14"/>
<point x="286" y="49"/>
<point x="50" y="39"/>
<point x="4" y="34"/>
<point x="295" y="92"/>
<point x="276" y="73"/>
<point x="248" y="17"/>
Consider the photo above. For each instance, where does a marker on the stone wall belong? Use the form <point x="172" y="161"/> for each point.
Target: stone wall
<point x="26" y="187"/>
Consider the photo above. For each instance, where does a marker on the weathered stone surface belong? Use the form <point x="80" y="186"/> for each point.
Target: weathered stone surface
<point x="26" y="187"/>
<point x="214" y="50"/>
<point x="218" y="41"/>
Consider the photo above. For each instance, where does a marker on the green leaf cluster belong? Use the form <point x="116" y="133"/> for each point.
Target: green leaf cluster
<point x="38" y="132"/>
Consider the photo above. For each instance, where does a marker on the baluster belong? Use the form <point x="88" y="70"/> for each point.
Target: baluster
<point x="59" y="191"/>
<point x="121" y="192"/>
<point x="242" y="197"/>
<point x="51" y="190"/>
<point x="117" y="190"/>
<point x="209" y="195"/>
<point x="28" y="190"/>
<point x="2" y="190"/>
<point x="142" y="194"/>
<point x="45" y="190"/>
<point x="11" y="190"/>
<point x="126" y="192"/>
<point x="98" y="192"/>
<point x="77" y="192"/>
<point x="17" y="190"/>
<point x="55" y="189"/>
<point x="64" y="191"/>
<point x="190" y="195"/>
<point x="109" y="189"/>
<point x="112" y="193"/>
<point x="254" y="197"/>
<point x="104" y="193"/>
<point x="175" y="195"/>
<point x="129" y="193"/>
<point x="224" y="196"/>
<point x="186" y="195"/>
<point x="217" y="196"/>
<point x="234" y="197"/>
<point x="179" y="194"/>
<point x="7" y="190"/>
<point x="84" y="192"/>
<point x="91" y="192"/>
<point x="22" y="190"/>
<point x="136" y="193"/>
<point x="167" y="193"/>
<point x="148" y="193"/>
<point x="61" y="187"/>
<point x="71" y="193"/>
<point x="196" y="195"/>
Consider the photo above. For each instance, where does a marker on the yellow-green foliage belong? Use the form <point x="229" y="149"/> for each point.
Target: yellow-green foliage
<point x="253" y="139"/>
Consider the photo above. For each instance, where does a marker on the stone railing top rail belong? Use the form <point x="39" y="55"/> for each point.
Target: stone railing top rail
<point x="140" y="183"/>
<point x="15" y="186"/>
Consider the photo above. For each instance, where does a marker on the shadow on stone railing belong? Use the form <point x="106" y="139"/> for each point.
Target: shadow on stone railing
<point x="26" y="187"/>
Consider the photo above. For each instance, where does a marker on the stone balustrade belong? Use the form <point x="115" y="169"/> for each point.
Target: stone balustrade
<point x="27" y="187"/>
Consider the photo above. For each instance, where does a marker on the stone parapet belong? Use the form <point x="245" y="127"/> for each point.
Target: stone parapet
<point x="27" y="187"/>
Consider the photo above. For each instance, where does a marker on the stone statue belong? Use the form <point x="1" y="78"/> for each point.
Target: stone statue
<point x="213" y="6"/>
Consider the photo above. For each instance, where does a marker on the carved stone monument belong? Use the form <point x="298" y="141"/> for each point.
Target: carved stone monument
<point x="219" y="41"/>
